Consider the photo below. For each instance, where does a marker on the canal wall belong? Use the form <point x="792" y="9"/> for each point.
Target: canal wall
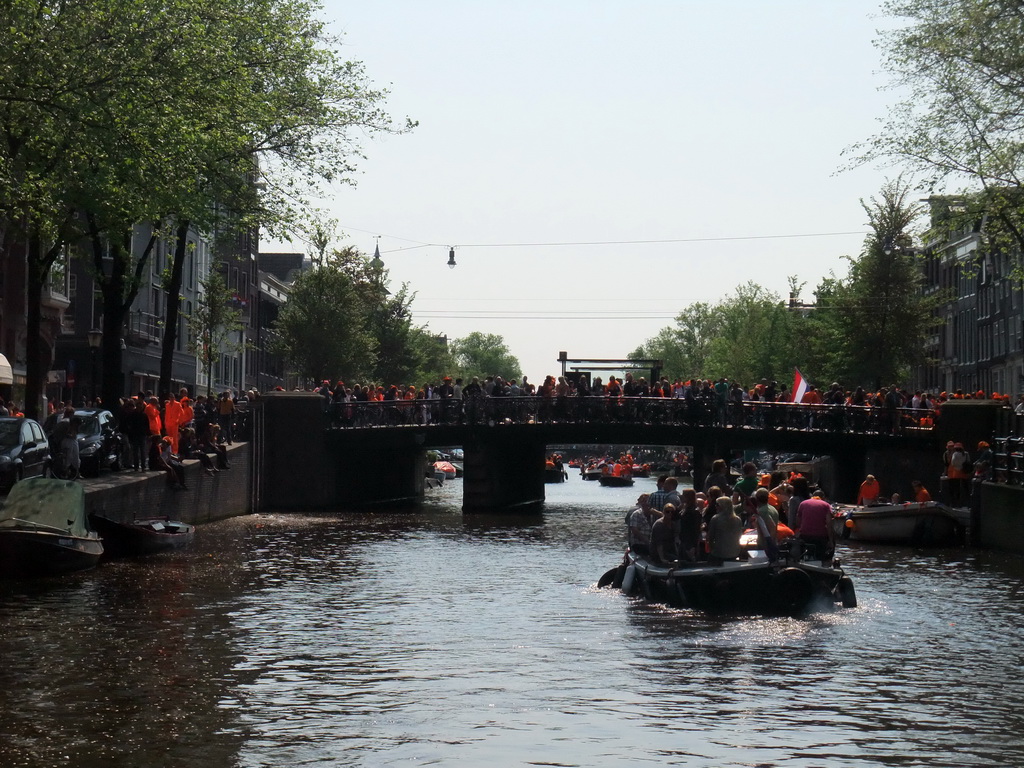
<point x="999" y="518"/>
<point x="123" y="496"/>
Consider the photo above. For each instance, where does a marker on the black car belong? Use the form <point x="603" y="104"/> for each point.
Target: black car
<point x="24" y="450"/>
<point x="100" y="444"/>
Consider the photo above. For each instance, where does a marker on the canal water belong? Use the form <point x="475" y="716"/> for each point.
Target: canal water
<point x="430" y="639"/>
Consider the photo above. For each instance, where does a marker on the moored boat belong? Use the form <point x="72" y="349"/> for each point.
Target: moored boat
<point x="917" y="524"/>
<point x="754" y="586"/>
<point x="142" y="537"/>
<point x="44" y="530"/>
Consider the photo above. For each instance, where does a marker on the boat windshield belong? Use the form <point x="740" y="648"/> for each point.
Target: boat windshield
<point x="46" y="503"/>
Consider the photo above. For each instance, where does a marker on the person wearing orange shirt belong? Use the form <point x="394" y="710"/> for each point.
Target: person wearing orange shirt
<point x="870" y="490"/>
<point x="921" y="495"/>
<point x="172" y="421"/>
<point x="187" y="412"/>
<point x="153" y="414"/>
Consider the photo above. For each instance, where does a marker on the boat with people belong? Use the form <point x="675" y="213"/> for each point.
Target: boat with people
<point x="592" y="472"/>
<point x="136" y="538"/>
<point x="44" y="530"/>
<point x="554" y="475"/>
<point x="447" y="469"/>
<point x="788" y="587"/>
<point x="927" y="523"/>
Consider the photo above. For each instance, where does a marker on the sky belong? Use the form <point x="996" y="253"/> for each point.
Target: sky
<point x="600" y="165"/>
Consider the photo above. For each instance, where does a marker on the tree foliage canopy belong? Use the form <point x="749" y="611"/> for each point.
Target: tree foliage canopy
<point x="745" y="337"/>
<point x="223" y="113"/>
<point x="484" y="354"/>
<point x="866" y="329"/>
<point x="340" y="320"/>
<point x="959" y="125"/>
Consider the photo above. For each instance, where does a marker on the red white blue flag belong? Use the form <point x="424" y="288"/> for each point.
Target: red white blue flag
<point x="799" y="386"/>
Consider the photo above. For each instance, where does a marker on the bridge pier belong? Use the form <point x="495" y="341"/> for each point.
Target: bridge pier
<point x="297" y="468"/>
<point x="502" y="473"/>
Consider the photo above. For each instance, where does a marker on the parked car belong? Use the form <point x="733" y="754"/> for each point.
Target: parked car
<point x="100" y="444"/>
<point x="24" y="450"/>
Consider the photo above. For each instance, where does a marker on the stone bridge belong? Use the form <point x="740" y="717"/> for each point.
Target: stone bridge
<point x="366" y="454"/>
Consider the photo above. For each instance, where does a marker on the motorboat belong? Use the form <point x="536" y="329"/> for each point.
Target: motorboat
<point x="554" y="475"/>
<point x="591" y="473"/>
<point x="141" y="537"/>
<point x="915" y="523"/>
<point x="446" y="467"/>
<point x="615" y="481"/>
<point x="44" y="529"/>
<point x="790" y="586"/>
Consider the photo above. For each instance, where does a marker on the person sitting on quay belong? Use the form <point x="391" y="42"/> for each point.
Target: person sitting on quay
<point x="189" y="448"/>
<point x="167" y="461"/>
<point x="210" y="443"/>
<point x="870" y="492"/>
<point x="724" y="531"/>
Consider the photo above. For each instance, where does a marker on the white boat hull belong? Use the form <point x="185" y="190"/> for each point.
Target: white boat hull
<point x="928" y="524"/>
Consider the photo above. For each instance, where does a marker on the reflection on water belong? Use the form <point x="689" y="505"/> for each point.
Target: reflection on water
<point x="432" y="638"/>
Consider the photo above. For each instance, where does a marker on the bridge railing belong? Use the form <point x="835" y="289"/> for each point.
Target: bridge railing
<point x="494" y="411"/>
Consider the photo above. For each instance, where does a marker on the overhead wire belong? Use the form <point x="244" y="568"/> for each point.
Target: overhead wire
<point x="557" y="244"/>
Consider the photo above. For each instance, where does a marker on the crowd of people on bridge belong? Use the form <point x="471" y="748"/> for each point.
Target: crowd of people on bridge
<point x="700" y="401"/>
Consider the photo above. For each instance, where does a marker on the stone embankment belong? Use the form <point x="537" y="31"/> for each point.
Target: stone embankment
<point x="124" y="496"/>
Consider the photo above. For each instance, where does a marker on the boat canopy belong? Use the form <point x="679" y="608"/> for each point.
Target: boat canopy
<point x="46" y="503"/>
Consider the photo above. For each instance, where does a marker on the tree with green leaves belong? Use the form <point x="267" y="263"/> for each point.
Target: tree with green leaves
<point x="876" y="319"/>
<point x="212" y="113"/>
<point x="215" y="325"/>
<point x="958" y="127"/>
<point x="485" y="354"/>
<point x="322" y="328"/>
<point x="745" y="337"/>
<point x="684" y="348"/>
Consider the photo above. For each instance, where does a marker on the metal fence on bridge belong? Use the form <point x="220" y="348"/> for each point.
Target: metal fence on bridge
<point x="484" y="410"/>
